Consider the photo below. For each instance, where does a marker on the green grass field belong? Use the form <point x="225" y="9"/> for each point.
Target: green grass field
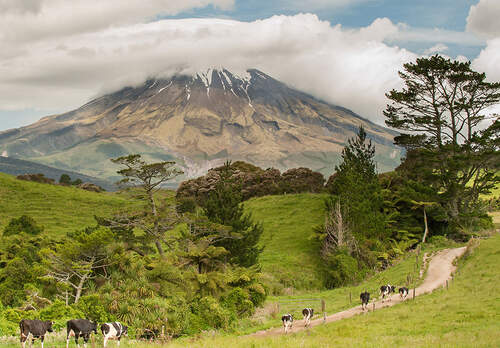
<point x="465" y="315"/>
<point x="290" y="256"/>
<point x="59" y="209"/>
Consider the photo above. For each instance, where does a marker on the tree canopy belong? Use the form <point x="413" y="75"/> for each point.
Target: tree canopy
<point x="452" y="143"/>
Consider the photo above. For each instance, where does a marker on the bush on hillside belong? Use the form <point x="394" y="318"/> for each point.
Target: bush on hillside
<point x="23" y="224"/>
<point x="65" y="179"/>
<point x="302" y="179"/>
<point x="253" y="181"/>
<point x="40" y="178"/>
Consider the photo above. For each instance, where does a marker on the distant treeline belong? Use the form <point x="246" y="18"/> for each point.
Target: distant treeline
<point x="253" y="182"/>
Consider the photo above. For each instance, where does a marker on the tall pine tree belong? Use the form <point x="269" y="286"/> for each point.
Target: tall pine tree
<point x="452" y="145"/>
<point x="357" y="188"/>
<point x="224" y="207"/>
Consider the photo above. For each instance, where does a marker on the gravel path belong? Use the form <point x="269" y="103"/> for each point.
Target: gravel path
<point x="440" y="270"/>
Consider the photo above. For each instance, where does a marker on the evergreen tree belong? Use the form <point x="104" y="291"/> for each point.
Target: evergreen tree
<point x="224" y="207"/>
<point x="148" y="177"/>
<point x="357" y="188"/>
<point x="65" y="179"/>
<point x="451" y="144"/>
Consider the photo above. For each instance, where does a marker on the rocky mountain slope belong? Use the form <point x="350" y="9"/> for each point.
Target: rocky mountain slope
<point x="200" y="121"/>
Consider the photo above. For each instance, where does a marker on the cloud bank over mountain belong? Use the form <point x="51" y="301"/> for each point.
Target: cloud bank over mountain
<point x="57" y="54"/>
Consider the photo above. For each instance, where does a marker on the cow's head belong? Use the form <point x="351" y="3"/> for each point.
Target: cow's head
<point x="48" y="326"/>
<point x="125" y="331"/>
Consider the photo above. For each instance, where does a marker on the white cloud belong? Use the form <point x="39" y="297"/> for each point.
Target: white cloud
<point x="488" y="60"/>
<point x="31" y="20"/>
<point x="351" y="68"/>
<point x="438" y="48"/>
<point x="483" y="20"/>
<point x="484" y="17"/>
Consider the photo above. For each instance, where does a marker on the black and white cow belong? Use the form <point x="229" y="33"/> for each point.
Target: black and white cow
<point x="403" y="292"/>
<point x="287" y="320"/>
<point x="307" y="313"/>
<point x="385" y="290"/>
<point x="365" y="298"/>
<point x="80" y="327"/>
<point x="113" y="331"/>
<point x="36" y="328"/>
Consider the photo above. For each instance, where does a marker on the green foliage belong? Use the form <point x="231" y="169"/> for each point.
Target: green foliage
<point x="238" y="301"/>
<point x="451" y="144"/>
<point x="223" y="207"/>
<point x="23" y="224"/>
<point x="355" y="219"/>
<point x="342" y="269"/>
<point x="186" y="205"/>
<point x="65" y="179"/>
<point x="93" y="308"/>
<point x="212" y="313"/>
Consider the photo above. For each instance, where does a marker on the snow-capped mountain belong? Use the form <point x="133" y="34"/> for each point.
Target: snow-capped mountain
<point x="199" y="121"/>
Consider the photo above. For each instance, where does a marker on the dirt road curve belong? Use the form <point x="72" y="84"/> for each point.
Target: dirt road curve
<point x="440" y="269"/>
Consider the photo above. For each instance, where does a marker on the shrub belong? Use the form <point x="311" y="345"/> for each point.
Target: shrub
<point x="238" y="301"/>
<point x="186" y="205"/>
<point x="65" y="179"/>
<point x="22" y="224"/>
<point x="212" y="314"/>
<point x="92" y="306"/>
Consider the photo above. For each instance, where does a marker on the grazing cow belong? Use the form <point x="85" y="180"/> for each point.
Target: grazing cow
<point x="80" y="327"/>
<point x="36" y="328"/>
<point x="403" y="292"/>
<point x="113" y="331"/>
<point x="307" y="313"/>
<point x="385" y="290"/>
<point x="287" y="320"/>
<point x="365" y="298"/>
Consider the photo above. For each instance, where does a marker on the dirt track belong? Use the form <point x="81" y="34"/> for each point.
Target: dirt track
<point x="440" y="270"/>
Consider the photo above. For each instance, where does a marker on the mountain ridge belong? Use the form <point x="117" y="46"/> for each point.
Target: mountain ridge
<point x="200" y="121"/>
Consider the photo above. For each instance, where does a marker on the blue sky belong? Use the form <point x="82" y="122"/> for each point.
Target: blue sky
<point x="57" y="55"/>
<point x="444" y="14"/>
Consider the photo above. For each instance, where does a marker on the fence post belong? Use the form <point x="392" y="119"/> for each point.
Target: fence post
<point x="373" y="306"/>
<point x="323" y="309"/>
<point x="413" y="292"/>
<point x="93" y="341"/>
<point x="446" y="284"/>
<point x="350" y="297"/>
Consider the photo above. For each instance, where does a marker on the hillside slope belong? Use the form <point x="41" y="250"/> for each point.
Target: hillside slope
<point x="290" y="256"/>
<point x="465" y="315"/>
<point x="15" y="166"/>
<point x="58" y="208"/>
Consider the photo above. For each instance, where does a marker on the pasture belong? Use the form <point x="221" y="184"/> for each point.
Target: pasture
<point x="58" y="208"/>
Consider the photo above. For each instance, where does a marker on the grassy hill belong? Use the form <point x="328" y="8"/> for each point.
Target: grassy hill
<point x="290" y="256"/>
<point x="58" y="208"/>
<point x="466" y="315"/>
<point x="15" y="166"/>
